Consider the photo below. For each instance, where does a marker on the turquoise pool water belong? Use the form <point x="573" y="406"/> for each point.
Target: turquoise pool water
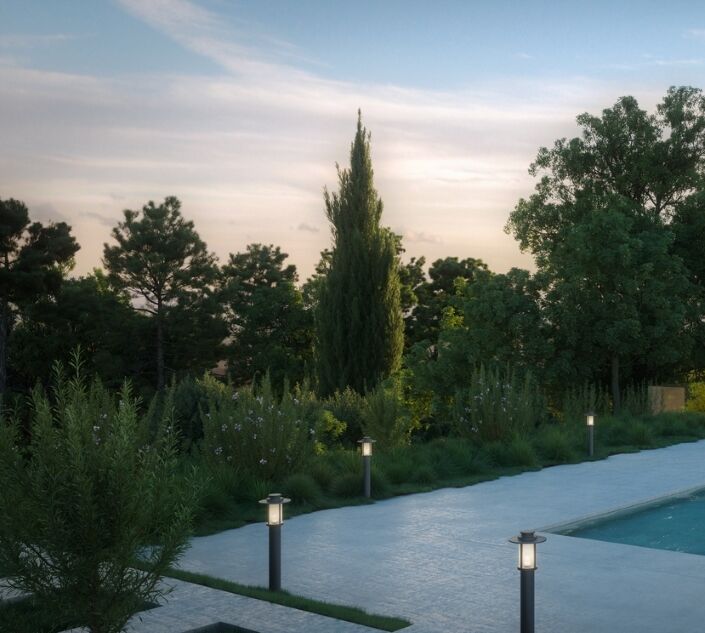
<point x="676" y="524"/>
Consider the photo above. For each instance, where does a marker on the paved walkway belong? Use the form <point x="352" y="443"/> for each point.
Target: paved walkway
<point x="441" y="559"/>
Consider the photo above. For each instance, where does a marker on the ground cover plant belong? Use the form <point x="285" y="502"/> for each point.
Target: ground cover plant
<point x="332" y="610"/>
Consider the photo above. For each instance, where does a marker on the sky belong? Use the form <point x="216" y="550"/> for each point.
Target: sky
<point x="242" y="109"/>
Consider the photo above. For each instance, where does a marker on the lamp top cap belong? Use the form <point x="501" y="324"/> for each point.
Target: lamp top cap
<point x="527" y="537"/>
<point x="366" y="440"/>
<point x="274" y="497"/>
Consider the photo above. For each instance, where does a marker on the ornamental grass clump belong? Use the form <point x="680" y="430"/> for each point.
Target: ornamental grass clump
<point x="83" y="498"/>
<point x="260" y="433"/>
<point x="497" y="405"/>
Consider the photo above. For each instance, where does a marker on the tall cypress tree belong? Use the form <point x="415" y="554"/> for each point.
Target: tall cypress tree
<point x="359" y="321"/>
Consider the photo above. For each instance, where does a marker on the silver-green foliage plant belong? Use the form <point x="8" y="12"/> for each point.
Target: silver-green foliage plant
<point x="385" y="418"/>
<point x="588" y="398"/>
<point x="84" y="497"/>
<point x="497" y="405"/>
<point x="635" y="399"/>
<point x="261" y="433"/>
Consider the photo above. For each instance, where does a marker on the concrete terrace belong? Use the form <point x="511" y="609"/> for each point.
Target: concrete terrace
<point x="441" y="559"/>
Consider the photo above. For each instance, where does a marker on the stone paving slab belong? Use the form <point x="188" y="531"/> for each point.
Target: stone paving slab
<point x="441" y="559"/>
<point x="193" y="606"/>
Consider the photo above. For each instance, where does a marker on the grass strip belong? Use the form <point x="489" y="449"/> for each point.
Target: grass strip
<point x="284" y="598"/>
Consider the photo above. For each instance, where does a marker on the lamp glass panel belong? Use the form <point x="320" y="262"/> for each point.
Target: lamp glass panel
<point x="527" y="556"/>
<point x="591" y="420"/>
<point x="367" y="449"/>
<point x="274" y="513"/>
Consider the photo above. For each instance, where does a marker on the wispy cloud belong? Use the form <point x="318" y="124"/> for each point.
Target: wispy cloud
<point x="309" y="228"/>
<point x="24" y="41"/>
<point x="250" y="147"/>
<point x="99" y="218"/>
<point x="421" y="237"/>
<point x="698" y="34"/>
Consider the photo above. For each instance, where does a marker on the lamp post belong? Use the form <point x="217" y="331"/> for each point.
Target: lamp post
<point x="527" y="566"/>
<point x="590" y="419"/>
<point x="366" y="446"/>
<point x="275" y="517"/>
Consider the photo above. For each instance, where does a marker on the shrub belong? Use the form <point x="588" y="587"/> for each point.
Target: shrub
<point x="398" y="466"/>
<point x="331" y="429"/>
<point x="348" y="406"/>
<point x="454" y="457"/>
<point x="424" y="474"/>
<point x="555" y="444"/>
<point x="322" y="472"/>
<point x="635" y="399"/>
<point x="696" y="397"/>
<point x="384" y="417"/>
<point x="497" y="405"/>
<point x="517" y="452"/>
<point x="380" y="484"/>
<point x="84" y="498"/>
<point x="674" y="426"/>
<point x="627" y="432"/>
<point x="347" y="485"/>
<point x="264" y="435"/>
<point x="302" y="488"/>
<point x="687" y="423"/>
<point x="577" y="401"/>
<point x="190" y="397"/>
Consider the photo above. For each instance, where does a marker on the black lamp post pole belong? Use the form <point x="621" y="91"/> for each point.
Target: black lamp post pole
<point x="527" y="600"/>
<point x="275" y="557"/>
<point x="591" y="440"/>
<point x="367" y="467"/>
<point x="527" y="542"/>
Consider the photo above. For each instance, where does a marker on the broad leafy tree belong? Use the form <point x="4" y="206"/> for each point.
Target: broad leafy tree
<point x="33" y="261"/>
<point x="598" y="225"/>
<point x="434" y="295"/>
<point x="162" y="262"/>
<point x="503" y="320"/>
<point x="269" y="328"/>
<point x="359" y="323"/>
<point x="88" y="313"/>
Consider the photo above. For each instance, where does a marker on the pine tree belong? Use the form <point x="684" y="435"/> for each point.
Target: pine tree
<point x="358" y="318"/>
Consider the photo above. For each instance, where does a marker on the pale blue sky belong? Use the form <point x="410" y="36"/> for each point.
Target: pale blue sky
<point x="241" y="108"/>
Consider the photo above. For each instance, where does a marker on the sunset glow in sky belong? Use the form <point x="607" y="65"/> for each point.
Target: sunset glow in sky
<point x="242" y="108"/>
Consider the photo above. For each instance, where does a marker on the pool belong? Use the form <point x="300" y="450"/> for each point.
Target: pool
<point x="676" y="523"/>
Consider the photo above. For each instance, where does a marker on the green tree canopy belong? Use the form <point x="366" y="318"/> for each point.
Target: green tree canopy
<point x="269" y="328"/>
<point x="503" y="319"/>
<point x="33" y="261"/>
<point x="423" y="322"/>
<point x="85" y="312"/>
<point x="359" y="323"/>
<point x="161" y="260"/>
<point x="598" y="226"/>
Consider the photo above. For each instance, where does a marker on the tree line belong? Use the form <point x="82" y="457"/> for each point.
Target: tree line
<point x="615" y="224"/>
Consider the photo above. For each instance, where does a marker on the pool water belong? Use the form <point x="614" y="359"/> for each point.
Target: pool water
<point x="676" y="524"/>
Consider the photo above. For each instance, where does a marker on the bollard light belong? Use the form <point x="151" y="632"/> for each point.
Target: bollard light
<point x="527" y="541"/>
<point x="275" y="517"/>
<point x="366" y="444"/>
<point x="590" y="419"/>
<point x="366" y="448"/>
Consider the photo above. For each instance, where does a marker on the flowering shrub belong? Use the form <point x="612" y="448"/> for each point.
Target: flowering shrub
<point x="497" y="405"/>
<point x="254" y="430"/>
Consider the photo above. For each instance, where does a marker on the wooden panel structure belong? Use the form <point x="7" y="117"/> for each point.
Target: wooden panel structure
<point x="666" y="399"/>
